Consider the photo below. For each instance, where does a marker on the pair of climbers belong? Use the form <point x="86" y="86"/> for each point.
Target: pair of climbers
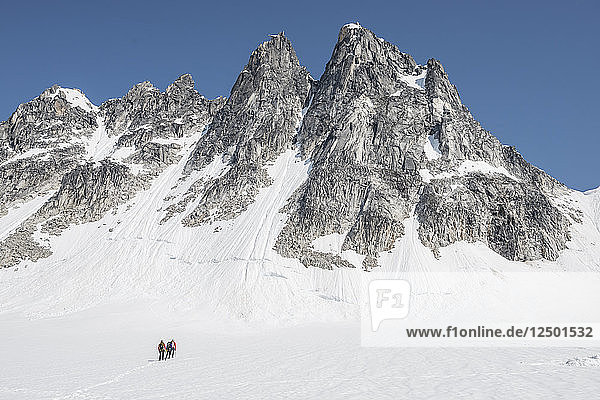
<point x="166" y="351"/>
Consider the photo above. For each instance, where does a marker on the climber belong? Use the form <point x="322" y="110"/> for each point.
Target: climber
<point x="161" y="351"/>
<point x="169" y="349"/>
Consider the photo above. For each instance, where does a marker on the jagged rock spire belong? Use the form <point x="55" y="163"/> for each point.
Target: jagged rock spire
<point x="387" y="140"/>
<point x="265" y="102"/>
<point x="381" y="145"/>
<point x="184" y="82"/>
<point x="438" y="88"/>
<point x="257" y="123"/>
<point x="362" y="68"/>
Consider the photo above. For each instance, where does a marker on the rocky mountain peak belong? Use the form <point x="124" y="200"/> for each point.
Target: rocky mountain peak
<point x="257" y="123"/>
<point x="350" y="29"/>
<point x="278" y="52"/>
<point x="145" y="88"/>
<point x="67" y="97"/>
<point x="389" y="143"/>
<point x="51" y="91"/>
<point x="358" y="45"/>
<point x="271" y="89"/>
<point x="442" y="94"/>
<point x="184" y="82"/>
<point x="398" y="137"/>
<point x="53" y="117"/>
<point x="362" y="74"/>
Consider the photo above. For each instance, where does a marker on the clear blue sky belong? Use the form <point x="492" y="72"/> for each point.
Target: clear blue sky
<point x="527" y="70"/>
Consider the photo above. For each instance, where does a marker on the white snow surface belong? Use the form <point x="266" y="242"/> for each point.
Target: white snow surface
<point x="332" y="244"/>
<point x="122" y="153"/>
<point x="594" y="199"/>
<point x="109" y="353"/>
<point x="593" y="191"/>
<point x="85" y="322"/>
<point x="16" y="215"/>
<point x="590" y="361"/>
<point x="100" y="145"/>
<point x="466" y="167"/>
<point x="432" y="148"/>
<point x="426" y="175"/>
<point x="26" y="154"/>
<point x="414" y="81"/>
<point x="76" y="98"/>
<point x="353" y="25"/>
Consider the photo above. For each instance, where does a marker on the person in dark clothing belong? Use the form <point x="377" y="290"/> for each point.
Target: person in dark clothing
<point x="169" y="349"/>
<point x="174" y="347"/>
<point x="161" y="351"/>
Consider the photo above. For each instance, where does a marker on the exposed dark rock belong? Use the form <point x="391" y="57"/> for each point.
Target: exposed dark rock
<point x="257" y="123"/>
<point x="387" y="139"/>
<point x="367" y="133"/>
<point x="514" y="219"/>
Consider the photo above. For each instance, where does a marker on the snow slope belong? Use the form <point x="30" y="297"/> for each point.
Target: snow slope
<point x="16" y="215"/>
<point x="84" y="323"/>
<point x="230" y="267"/>
<point x="142" y="258"/>
<point x="75" y="97"/>
<point x="594" y="205"/>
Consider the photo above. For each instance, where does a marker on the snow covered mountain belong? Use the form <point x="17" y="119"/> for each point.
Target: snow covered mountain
<point x="277" y="200"/>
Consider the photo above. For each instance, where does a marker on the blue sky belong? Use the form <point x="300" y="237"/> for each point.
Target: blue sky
<point x="527" y="70"/>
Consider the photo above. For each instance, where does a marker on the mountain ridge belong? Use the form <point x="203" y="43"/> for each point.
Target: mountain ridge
<point x="375" y="166"/>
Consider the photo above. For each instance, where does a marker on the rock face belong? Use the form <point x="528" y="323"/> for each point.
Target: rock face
<point x="89" y="190"/>
<point x="92" y="158"/>
<point x="257" y="123"/>
<point x="363" y="133"/>
<point x="387" y="140"/>
<point x="387" y="136"/>
<point x="515" y="219"/>
<point x="53" y="117"/>
<point x="146" y="114"/>
<point x="85" y="194"/>
<point x="41" y="140"/>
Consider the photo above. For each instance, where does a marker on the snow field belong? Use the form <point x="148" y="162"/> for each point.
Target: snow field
<point x="110" y="353"/>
